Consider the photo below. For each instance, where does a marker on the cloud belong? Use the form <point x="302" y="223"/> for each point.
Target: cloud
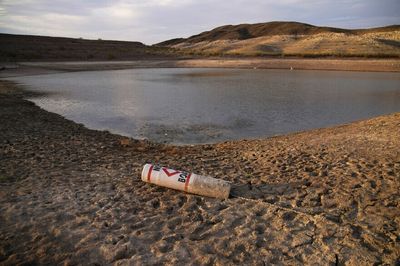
<point x="152" y="21"/>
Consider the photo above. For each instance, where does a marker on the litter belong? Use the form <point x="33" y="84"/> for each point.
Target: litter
<point x="188" y="182"/>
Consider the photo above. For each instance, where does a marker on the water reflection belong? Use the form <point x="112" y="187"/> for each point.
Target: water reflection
<point x="210" y="105"/>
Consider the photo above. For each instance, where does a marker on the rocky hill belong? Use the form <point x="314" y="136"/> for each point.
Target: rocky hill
<point x="291" y="38"/>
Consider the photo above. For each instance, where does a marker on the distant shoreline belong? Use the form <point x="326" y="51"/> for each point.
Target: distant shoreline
<point x="48" y="67"/>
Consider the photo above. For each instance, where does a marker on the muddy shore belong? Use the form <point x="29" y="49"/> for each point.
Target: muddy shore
<point x="70" y="195"/>
<point x="37" y="68"/>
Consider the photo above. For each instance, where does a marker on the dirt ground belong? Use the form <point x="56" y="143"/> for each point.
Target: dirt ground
<point x="73" y="196"/>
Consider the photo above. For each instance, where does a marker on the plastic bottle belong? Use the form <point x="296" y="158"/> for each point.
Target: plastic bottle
<point x="188" y="182"/>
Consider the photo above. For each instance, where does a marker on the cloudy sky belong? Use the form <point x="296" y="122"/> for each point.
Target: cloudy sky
<point x="152" y="21"/>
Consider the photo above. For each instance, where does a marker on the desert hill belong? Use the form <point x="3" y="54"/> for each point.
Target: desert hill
<point x="291" y="38"/>
<point x="30" y="47"/>
<point x="261" y="39"/>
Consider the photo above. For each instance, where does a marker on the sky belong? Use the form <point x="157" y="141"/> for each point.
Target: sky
<point x="152" y="21"/>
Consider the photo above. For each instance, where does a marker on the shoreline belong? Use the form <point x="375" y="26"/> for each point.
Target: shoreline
<point x="74" y="195"/>
<point x="362" y="65"/>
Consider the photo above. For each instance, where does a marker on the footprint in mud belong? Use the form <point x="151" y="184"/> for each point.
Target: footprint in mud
<point x="260" y="212"/>
<point x="162" y="247"/>
<point x="180" y="201"/>
<point x="174" y="222"/>
<point x="200" y="232"/>
<point x="155" y="203"/>
<point x="260" y="228"/>
<point x="289" y="216"/>
<point x="173" y="238"/>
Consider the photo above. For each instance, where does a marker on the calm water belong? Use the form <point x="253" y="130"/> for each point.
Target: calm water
<point x="210" y="105"/>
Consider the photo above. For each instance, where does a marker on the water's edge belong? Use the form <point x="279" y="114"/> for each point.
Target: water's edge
<point x="189" y="106"/>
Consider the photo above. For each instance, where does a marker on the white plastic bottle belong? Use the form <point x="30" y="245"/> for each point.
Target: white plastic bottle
<point x="188" y="182"/>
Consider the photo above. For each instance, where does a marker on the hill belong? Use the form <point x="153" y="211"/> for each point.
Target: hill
<point x="261" y="39"/>
<point x="34" y="48"/>
<point x="291" y="38"/>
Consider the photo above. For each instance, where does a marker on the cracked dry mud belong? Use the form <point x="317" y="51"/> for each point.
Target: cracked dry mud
<point x="70" y="195"/>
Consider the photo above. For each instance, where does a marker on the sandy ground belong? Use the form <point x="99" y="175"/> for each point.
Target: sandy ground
<point x="73" y="196"/>
<point x="36" y="68"/>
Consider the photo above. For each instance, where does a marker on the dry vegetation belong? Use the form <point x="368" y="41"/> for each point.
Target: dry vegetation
<point x="292" y="39"/>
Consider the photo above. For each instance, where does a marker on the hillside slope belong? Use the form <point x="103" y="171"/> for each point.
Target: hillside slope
<point x="291" y="38"/>
<point x="31" y="48"/>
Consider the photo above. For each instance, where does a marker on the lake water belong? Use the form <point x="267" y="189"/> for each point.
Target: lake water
<point x="185" y="106"/>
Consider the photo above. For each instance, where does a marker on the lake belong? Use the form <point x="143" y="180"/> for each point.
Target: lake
<point x="203" y="105"/>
